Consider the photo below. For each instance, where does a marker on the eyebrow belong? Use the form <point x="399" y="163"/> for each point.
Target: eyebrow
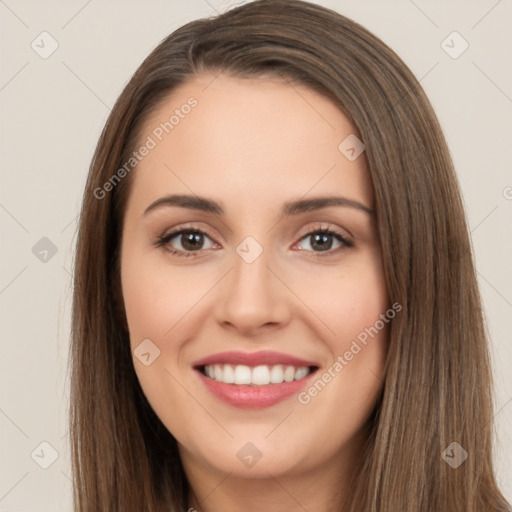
<point x="289" y="208"/>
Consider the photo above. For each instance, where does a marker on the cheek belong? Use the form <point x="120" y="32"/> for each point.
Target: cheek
<point x="354" y="305"/>
<point x="157" y="297"/>
<point x="347" y="301"/>
<point x="159" y="304"/>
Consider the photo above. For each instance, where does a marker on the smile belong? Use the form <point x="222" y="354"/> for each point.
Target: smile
<point x="254" y="380"/>
<point x="262" y="375"/>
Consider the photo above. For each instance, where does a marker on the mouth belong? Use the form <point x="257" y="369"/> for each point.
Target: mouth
<point x="254" y="380"/>
<point x="262" y="375"/>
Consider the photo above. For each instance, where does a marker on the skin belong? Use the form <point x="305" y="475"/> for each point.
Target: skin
<point x="252" y="145"/>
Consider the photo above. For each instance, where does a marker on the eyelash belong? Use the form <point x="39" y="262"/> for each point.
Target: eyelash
<point x="163" y="240"/>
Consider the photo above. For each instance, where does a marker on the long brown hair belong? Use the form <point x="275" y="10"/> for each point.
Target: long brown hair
<point x="437" y="384"/>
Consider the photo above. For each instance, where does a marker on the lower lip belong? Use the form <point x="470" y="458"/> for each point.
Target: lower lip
<point x="254" y="397"/>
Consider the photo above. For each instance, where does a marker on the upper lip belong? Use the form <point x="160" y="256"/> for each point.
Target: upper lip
<point x="263" y="357"/>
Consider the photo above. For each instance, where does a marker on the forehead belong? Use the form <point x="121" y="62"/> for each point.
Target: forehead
<point x="253" y="140"/>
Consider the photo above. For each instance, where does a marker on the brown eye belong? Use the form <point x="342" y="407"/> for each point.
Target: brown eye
<point x="185" y="242"/>
<point x="191" y="241"/>
<point x="323" y="241"/>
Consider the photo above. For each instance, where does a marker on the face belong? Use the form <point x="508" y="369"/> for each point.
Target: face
<point x="256" y="305"/>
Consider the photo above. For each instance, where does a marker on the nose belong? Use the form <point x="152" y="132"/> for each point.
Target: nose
<point x="252" y="298"/>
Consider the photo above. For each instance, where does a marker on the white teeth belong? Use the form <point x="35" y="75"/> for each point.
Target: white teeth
<point x="242" y="374"/>
<point x="289" y="374"/>
<point x="261" y="376"/>
<point x="276" y="374"/>
<point x="217" y="372"/>
<point x="300" y="373"/>
<point x="228" y="374"/>
<point x="258" y="376"/>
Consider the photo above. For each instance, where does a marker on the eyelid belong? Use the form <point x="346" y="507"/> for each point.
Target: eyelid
<point x="323" y="226"/>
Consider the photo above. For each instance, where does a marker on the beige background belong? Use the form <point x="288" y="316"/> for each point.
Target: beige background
<point x="52" y="111"/>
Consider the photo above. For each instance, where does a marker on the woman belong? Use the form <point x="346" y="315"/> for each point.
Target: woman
<point x="275" y="305"/>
